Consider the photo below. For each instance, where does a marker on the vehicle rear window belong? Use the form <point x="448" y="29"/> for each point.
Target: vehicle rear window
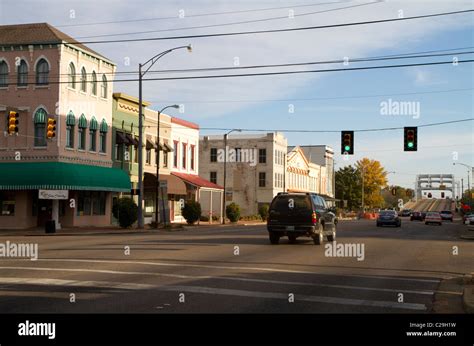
<point x="387" y="212"/>
<point x="281" y="203"/>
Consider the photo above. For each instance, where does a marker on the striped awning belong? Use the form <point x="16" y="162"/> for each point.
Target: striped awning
<point x="70" y="119"/>
<point x="103" y="126"/>
<point x="93" y="124"/>
<point x="40" y="116"/>
<point x="82" y="121"/>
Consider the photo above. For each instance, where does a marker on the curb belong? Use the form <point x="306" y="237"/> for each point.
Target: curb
<point x="468" y="299"/>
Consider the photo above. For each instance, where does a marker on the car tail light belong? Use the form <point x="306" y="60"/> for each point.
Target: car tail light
<point x="314" y="218"/>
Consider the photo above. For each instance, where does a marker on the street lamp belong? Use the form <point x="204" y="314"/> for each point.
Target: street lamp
<point x="151" y="61"/>
<point x="469" y="172"/>
<point x="157" y="192"/>
<point x="225" y="169"/>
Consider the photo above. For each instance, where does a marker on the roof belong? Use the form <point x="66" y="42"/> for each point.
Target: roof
<point x="61" y="176"/>
<point x="38" y="33"/>
<point x="185" y="123"/>
<point x="196" y="180"/>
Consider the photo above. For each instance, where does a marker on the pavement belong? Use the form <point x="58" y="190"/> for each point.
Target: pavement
<point x="234" y="269"/>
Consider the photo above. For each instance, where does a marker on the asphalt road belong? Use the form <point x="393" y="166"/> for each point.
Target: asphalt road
<point x="234" y="269"/>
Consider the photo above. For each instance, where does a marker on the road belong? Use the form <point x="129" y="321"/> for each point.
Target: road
<point x="234" y="269"/>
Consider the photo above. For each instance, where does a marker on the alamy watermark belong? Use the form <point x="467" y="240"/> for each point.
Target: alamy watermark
<point x="392" y="107"/>
<point x="238" y="155"/>
<point x="9" y="249"/>
<point x="335" y="249"/>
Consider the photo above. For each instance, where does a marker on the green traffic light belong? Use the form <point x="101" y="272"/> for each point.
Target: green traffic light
<point x="410" y="144"/>
<point x="347" y="148"/>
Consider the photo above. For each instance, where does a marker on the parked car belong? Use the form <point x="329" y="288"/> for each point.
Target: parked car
<point x="469" y="219"/>
<point x="433" y="217"/>
<point x="466" y="216"/>
<point x="406" y="212"/>
<point x="416" y="215"/>
<point x="446" y="215"/>
<point x="388" y="217"/>
<point x="300" y="214"/>
<point x="423" y="214"/>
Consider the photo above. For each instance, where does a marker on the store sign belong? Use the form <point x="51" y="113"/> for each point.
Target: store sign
<point x="53" y="194"/>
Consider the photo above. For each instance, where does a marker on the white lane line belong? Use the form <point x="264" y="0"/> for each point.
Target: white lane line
<point x="228" y="278"/>
<point x="283" y="296"/>
<point x="274" y="270"/>
<point x="214" y="291"/>
<point x="74" y="283"/>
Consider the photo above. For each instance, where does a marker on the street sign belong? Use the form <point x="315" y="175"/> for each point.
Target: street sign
<point x="442" y="187"/>
<point x="53" y="194"/>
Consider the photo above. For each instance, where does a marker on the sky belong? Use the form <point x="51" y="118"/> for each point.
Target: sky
<point x="329" y="101"/>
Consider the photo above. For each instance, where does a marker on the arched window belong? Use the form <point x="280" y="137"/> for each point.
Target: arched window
<point x="103" y="87"/>
<point x="22" y="74"/>
<point x="93" y="127"/>
<point x="94" y="83"/>
<point x="70" y="127"/>
<point x="3" y="74"/>
<point x="40" y="127"/>
<point x="103" y="136"/>
<point x="71" y="76"/>
<point x="83" y="80"/>
<point x="82" y="125"/>
<point x="42" y="72"/>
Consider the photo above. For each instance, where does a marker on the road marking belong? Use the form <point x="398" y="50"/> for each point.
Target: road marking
<point x="214" y="291"/>
<point x="204" y="277"/>
<point x="75" y="283"/>
<point x="274" y="270"/>
<point x="298" y="297"/>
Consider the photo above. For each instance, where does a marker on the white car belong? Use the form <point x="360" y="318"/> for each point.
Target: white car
<point x="469" y="220"/>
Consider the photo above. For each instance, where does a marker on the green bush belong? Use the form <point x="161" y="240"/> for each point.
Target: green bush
<point x="263" y="211"/>
<point x="126" y="211"/>
<point x="191" y="211"/>
<point x="233" y="212"/>
<point x="204" y="218"/>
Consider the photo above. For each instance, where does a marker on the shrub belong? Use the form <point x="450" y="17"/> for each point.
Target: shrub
<point x="263" y="211"/>
<point x="204" y="218"/>
<point x="232" y="212"/>
<point x="191" y="211"/>
<point x="126" y="211"/>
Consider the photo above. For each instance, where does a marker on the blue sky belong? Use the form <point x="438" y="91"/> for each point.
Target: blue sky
<point x="436" y="144"/>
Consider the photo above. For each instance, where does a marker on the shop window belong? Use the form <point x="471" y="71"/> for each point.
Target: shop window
<point x="7" y="202"/>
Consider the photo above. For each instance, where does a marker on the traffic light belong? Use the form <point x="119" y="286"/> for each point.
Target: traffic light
<point x="51" y="129"/>
<point x="410" y="142"/>
<point x="442" y="194"/>
<point x="347" y="142"/>
<point x="12" y="122"/>
<point x="394" y="191"/>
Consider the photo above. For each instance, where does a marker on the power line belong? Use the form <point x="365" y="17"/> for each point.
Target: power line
<point x="279" y="73"/>
<point x="316" y="98"/>
<point x="259" y="31"/>
<point x="412" y="55"/>
<point x="200" y="14"/>
<point x="231" y="23"/>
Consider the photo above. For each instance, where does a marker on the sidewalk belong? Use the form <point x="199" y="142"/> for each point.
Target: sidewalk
<point x="468" y="293"/>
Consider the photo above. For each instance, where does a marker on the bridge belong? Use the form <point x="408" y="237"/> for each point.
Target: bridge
<point x="434" y="182"/>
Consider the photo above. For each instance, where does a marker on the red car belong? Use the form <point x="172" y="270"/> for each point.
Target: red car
<point x="433" y="217"/>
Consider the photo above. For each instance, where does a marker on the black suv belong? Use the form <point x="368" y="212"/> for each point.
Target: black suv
<point x="300" y="214"/>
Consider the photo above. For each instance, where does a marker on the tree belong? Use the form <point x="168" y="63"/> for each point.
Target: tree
<point x="126" y="211"/>
<point x="374" y="179"/>
<point x="233" y="212"/>
<point x="348" y="187"/>
<point x="391" y="200"/>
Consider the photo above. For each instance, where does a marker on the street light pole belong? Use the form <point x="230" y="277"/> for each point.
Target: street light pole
<point x="225" y="170"/>
<point x="469" y="172"/>
<point x="141" y="73"/>
<point x="157" y="158"/>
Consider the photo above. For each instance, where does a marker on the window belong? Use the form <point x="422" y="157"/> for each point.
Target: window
<point x="82" y="139"/>
<point x="127" y="151"/>
<point x="103" y="87"/>
<point x="7" y="203"/>
<point x="165" y="156"/>
<point x="118" y="152"/>
<point x="184" y="155"/>
<point x="213" y="177"/>
<point x="92" y="140"/>
<point x="175" y="154"/>
<point x="83" y="80"/>
<point x="91" y="203"/>
<point x="103" y="136"/>
<point x="3" y="74"/>
<point x="192" y="156"/>
<point x="40" y="128"/>
<point x="94" y="84"/>
<point x="42" y="72"/>
<point x="262" y="155"/>
<point x="213" y="154"/>
<point x="261" y="179"/>
<point x="71" y="76"/>
<point x="148" y="156"/>
<point x="69" y="136"/>
<point x="22" y="75"/>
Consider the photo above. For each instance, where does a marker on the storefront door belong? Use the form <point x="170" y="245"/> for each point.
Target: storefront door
<point x="45" y="211"/>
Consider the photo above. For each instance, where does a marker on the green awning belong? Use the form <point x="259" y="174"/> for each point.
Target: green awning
<point x="40" y="116"/>
<point x="61" y="176"/>
<point x="93" y="125"/>
<point x="70" y="119"/>
<point x="103" y="126"/>
<point x="82" y="121"/>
